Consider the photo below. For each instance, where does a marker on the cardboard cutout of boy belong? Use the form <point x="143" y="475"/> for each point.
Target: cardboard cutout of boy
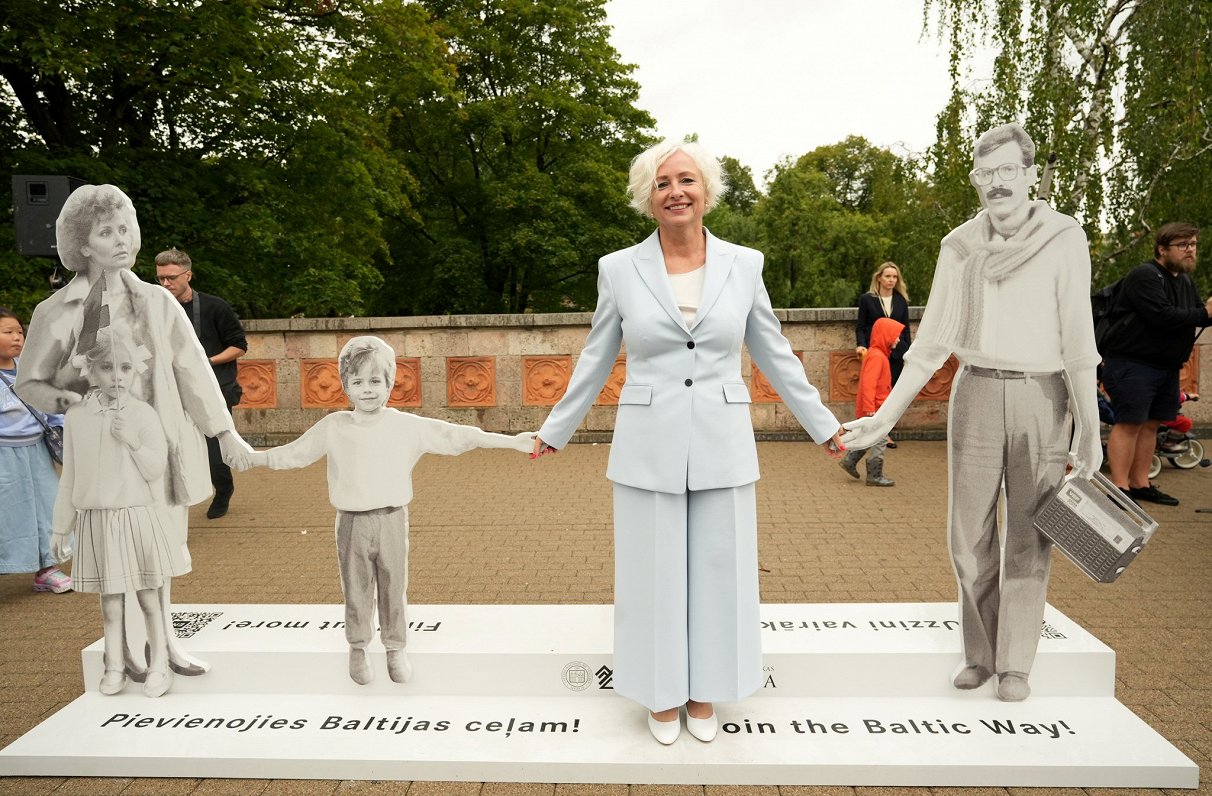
<point x="371" y="452"/>
<point x="1011" y="300"/>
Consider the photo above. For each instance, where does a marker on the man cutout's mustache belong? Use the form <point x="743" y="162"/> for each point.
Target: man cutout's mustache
<point x="998" y="192"/>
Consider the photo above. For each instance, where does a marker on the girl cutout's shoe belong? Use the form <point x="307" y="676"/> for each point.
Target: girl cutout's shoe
<point x="112" y="682"/>
<point x="157" y="683"/>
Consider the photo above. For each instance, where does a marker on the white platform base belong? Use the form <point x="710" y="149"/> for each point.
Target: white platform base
<point x="828" y="650"/>
<point x="522" y="693"/>
<point x="1079" y="742"/>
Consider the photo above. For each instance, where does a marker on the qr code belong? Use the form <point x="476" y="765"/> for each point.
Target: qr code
<point x="1048" y="631"/>
<point x="188" y="623"/>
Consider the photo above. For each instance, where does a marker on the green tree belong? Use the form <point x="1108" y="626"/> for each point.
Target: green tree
<point x="832" y="216"/>
<point x="522" y="169"/>
<point x="240" y="130"/>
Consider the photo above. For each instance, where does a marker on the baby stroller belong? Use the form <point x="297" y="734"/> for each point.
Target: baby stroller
<point x="1177" y="445"/>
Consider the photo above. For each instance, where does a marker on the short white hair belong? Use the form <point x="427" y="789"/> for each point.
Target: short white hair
<point x="642" y="179"/>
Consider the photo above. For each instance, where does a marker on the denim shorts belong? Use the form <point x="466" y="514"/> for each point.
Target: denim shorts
<point x="1140" y="392"/>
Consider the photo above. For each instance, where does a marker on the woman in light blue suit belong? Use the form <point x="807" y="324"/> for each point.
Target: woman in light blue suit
<point x="683" y="460"/>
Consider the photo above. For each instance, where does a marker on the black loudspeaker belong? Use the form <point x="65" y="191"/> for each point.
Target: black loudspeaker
<point x="37" y="200"/>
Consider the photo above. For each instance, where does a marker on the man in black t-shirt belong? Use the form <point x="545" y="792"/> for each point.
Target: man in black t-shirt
<point x="1143" y="356"/>
<point x="223" y="339"/>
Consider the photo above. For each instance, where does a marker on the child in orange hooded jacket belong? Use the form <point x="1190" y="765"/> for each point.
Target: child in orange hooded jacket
<point x="875" y="382"/>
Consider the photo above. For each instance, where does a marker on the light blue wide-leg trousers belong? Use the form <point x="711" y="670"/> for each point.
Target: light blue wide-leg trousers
<point x="686" y="621"/>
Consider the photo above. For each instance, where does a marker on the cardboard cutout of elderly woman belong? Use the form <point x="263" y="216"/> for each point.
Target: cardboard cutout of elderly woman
<point x="98" y="238"/>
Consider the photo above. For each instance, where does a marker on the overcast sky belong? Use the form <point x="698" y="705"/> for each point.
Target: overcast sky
<point x="760" y="79"/>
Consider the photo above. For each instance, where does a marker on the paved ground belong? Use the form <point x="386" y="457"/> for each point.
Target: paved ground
<point x="493" y="527"/>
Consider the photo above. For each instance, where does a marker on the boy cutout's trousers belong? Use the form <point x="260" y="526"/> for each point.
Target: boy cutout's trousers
<point x="372" y="554"/>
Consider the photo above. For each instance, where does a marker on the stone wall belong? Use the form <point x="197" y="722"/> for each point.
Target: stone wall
<point x="503" y="373"/>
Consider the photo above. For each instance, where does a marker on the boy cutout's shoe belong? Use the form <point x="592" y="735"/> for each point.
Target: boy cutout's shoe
<point x="848" y="463"/>
<point x="52" y="580"/>
<point x="359" y="666"/>
<point x="399" y="668"/>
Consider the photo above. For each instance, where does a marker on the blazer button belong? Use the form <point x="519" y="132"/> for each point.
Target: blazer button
<point x="689" y="382"/>
<point x="690" y="344"/>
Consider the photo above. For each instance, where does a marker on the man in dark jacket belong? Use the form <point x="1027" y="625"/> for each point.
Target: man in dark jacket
<point x="1144" y="354"/>
<point x="222" y="337"/>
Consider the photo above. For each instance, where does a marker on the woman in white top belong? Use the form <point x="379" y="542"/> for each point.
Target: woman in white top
<point x="683" y="459"/>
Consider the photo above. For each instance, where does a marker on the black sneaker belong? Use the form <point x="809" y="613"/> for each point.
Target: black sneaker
<point x="1151" y="494"/>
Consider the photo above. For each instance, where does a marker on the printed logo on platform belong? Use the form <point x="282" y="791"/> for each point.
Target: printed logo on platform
<point x="576" y="676"/>
<point x="605" y="677"/>
<point x="1048" y="631"/>
<point x="188" y="623"/>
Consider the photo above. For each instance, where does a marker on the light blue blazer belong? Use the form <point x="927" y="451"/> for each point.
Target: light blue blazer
<point x="683" y="417"/>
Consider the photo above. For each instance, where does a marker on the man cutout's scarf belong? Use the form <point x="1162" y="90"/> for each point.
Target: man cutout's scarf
<point x="986" y="257"/>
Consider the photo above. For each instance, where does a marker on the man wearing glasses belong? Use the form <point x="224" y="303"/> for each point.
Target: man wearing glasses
<point x="222" y="337"/>
<point x="1011" y="300"/>
<point x="1143" y="356"/>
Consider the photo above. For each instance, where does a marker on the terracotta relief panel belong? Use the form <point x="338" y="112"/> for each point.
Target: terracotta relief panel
<point x="544" y="379"/>
<point x="761" y="391"/>
<point x="406" y="391"/>
<point x="843" y="376"/>
<point x="320" y="383"/>
<point x="609" y="396"/>
<point x="939" y="386"/>
<point x="259" y="380"/>
<point x="471" y="381"/>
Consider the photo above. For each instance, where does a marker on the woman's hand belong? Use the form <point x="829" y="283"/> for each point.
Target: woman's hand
<point x="540" y="448"/>
<point x="834" y="448"/>
<point x="860" y="350"/>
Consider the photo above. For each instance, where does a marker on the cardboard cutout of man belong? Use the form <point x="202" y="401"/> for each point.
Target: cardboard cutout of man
<point x="98" y="237"/>
<point x="1010" y="299"/>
